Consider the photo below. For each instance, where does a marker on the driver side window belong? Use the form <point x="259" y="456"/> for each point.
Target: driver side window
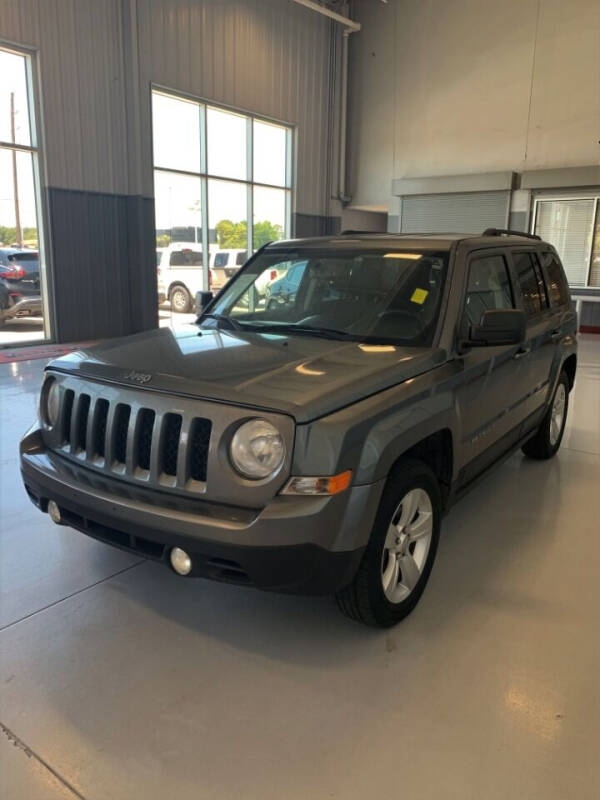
<point x="488" y="287"/>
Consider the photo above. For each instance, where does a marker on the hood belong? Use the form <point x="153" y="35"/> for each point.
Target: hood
<point x="304" y="376"/>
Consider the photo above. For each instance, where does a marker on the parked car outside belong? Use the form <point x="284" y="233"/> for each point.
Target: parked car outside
<point x="224" y="264"/>
<point x="315" y="445"/>
<point x="284" y="289"/>
<point x="20" y="271"/>
<point x="180" y="274"/>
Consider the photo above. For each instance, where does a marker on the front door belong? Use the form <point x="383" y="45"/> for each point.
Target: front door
<point x="491" y="399"/>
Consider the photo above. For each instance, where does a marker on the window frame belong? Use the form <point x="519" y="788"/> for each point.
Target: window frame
<point x="289" y="187"/>
<point x="36" y="150"/>
<point x="537" y="268"/>
<point x="478" y="255"/>
<point x="547" y="251"/>
<point x="557" y="198"/>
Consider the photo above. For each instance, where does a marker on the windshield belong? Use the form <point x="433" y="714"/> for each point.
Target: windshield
<point x="386" y="295"/>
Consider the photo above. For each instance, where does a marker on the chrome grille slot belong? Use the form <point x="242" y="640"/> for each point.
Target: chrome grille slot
<point x="143" y="445"/>
<point x="100" y="420"/>
<point x="169" y="443"/>
<point x="120" y="430"/>
<point x="83" y="411"/>
<point x="66" y="414"/>
<point x="198" y="448"/>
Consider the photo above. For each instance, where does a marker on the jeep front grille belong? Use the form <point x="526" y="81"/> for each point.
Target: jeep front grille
<point x="135" y="441"/>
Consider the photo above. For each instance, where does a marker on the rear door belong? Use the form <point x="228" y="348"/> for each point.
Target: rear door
<point x="542" y="324"/>
<point x="491" y="397"/>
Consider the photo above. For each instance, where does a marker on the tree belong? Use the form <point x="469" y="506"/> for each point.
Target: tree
<point x="232" y="235"/>
<point x="266" y="232"/>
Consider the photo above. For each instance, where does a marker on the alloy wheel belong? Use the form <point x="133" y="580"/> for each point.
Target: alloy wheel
<point x="406" y="545"/>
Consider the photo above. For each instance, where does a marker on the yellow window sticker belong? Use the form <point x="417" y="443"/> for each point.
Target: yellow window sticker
<point x="419" y="296"/>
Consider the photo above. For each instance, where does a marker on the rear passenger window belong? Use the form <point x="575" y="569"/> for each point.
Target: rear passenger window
<point x="221" y="259"/>
<point x="531" y="282"/>
<point x="488" y="287"/>
<point x="557" y="284"/>
<point x="185" y="258"/>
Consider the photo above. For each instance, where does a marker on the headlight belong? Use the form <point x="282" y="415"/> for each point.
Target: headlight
<point x="50" y="402"/>
<point x="257" y="449"/>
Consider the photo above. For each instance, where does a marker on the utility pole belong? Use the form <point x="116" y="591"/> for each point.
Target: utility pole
<point x="19" y="232"/>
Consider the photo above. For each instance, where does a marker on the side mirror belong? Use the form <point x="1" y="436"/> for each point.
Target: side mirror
<point x="498" y="327"/>
<point x="202" y="300"/>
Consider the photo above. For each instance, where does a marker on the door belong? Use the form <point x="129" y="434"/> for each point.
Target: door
<point x="540" y="344"/>
<point x="490" y="400"/>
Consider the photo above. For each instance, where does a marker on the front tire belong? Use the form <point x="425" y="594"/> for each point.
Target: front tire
<point x="181" y="300"/>
<point x="399" y="557"/>
<point x="545" y="443"/>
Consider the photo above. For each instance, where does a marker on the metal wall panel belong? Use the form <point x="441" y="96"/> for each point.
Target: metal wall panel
<point x="470" y="212"/>
<point x="271" y="57"/>
<point x="96" y="61"/>
<point x="267" y="56"/>
<point x="80" y="59"/>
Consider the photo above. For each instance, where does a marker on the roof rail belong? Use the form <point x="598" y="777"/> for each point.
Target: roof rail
<point x="509" y="232"/>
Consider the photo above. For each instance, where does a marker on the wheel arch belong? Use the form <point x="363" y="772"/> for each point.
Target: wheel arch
<point x="175" y="284"/>
<point x="437" y="451"/>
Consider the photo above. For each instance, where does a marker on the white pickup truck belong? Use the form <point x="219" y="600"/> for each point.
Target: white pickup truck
<point x="180" y="274"/>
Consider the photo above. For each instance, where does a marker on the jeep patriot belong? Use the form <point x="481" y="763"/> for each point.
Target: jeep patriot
<point x="311" y="441"/>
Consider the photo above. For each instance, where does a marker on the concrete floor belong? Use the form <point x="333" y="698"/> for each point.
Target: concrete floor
<point x="119" y="680"/>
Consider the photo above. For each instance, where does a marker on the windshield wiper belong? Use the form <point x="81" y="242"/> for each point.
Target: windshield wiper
<point x="307" y="330"/>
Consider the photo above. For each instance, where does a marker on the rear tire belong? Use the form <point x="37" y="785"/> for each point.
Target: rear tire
<point x="399" y="557"/>
<point x="545" y="443"/>
<point x="180" y="299"/>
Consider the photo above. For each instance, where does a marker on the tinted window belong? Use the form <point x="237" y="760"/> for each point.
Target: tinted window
<point x="186" y="258"/>
<point x="241" y="258"/>
<point x="488" y="287"/>
<point x="557" y="285"/>
<point x="531" y="283"/>
<point x="221" y="259"/>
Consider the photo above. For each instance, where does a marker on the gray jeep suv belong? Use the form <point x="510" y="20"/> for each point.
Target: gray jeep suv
<point x="314" y="445"/>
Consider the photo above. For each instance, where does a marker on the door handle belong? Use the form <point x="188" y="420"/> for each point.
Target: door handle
<point x="522" y="353"/>
<point x="556" y="335"/>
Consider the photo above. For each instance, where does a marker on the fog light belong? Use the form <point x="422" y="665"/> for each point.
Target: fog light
<point x="54" y="512"/>
<point x="180" y="561"/>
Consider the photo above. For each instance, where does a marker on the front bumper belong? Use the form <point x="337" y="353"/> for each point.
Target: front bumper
<point x="304" y="545"/>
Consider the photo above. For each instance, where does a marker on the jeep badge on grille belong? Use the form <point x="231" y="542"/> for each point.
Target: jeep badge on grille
<point x="137" y="377"/>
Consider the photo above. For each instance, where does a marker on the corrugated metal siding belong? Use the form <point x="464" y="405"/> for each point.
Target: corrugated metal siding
<point x="469" y="212"/>
<point x="82" y="84"/>
<point x="267" y="56"/>
<point x="97" y="60"/>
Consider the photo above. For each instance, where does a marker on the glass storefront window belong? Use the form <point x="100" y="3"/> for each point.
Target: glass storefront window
<point x="269" y="215"/>
<point x="222" y="179"/>
<point x="22" y="284"/>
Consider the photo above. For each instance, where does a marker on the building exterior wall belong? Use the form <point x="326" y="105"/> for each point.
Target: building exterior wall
<point x="96" y="61"/>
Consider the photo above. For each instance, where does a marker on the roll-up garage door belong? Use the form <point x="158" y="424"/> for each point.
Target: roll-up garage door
<point x="468" y="212"/>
